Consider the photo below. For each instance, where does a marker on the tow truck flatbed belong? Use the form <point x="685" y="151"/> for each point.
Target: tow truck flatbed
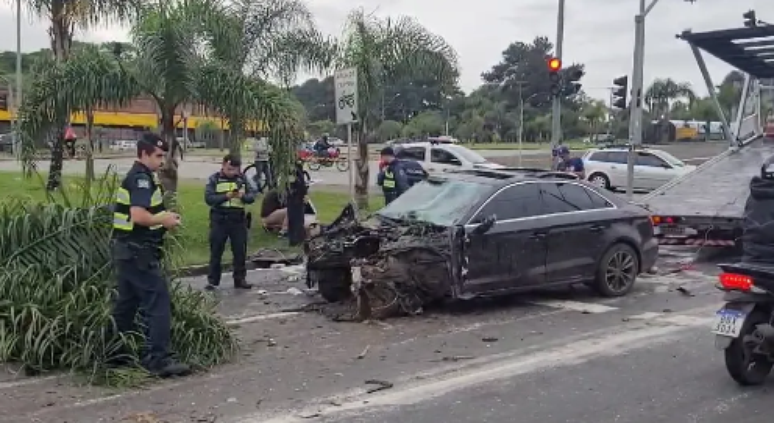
<point x="706" y="206"/>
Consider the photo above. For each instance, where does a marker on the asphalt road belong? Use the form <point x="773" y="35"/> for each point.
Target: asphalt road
<point x="559" y="356"/>
<point x="199" y="168"/>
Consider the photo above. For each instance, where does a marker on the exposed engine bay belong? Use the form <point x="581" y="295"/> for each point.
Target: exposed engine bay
<point x="379" y="267"/>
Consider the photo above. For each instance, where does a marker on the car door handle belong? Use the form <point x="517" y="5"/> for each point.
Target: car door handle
<point x="538" y="235"/>
<point x="614" y="167"/>
<point x="597" y="228"/>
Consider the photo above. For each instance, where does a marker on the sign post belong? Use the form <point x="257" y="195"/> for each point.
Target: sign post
<point x="345" y="88"/>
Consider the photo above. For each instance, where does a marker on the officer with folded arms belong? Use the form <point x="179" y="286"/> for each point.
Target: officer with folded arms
<point x="140" y="221"/>
<point x="227" y="193"/>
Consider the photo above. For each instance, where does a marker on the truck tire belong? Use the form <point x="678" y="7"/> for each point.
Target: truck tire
<point x="334" y="285"/>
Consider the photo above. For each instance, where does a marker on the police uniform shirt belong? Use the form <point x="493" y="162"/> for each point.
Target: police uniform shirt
<point x="140" y="188"/>
<point x="219" y="185"/>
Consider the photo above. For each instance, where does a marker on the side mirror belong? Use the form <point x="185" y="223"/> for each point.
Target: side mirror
<point x="666" y="166"/>
<point x="485" y="225"/>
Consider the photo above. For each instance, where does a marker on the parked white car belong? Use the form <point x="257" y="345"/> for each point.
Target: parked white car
<point x="443" y="157"/>
<point x="606" y="168"/>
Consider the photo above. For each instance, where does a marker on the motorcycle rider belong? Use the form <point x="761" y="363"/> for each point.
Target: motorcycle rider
<point x="322" y="145"/>
<point x="758" y="224"/>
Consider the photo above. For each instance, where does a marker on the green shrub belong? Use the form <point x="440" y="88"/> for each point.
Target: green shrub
<point x="57" y="285"/>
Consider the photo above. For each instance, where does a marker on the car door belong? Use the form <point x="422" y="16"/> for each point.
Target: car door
<point x="651" y="171"/>
<point x="442" y="160"/>
<point x="511" y="254"/>
<point x="577" y="220"/>
<point x="616" y="167"/>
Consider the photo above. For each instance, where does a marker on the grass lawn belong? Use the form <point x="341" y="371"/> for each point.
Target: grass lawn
<point x="574" y="145"/>
<point x="193" y="234"/>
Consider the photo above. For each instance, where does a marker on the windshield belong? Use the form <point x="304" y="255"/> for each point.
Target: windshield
<point x="469" y="155"/>
<point x="442" y="203"/>
<point x="672" y="160"/>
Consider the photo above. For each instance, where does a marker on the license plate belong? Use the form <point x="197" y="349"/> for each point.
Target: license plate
<point x="728" y="322"/>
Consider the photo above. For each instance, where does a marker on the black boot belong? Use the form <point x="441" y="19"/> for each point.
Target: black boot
<point x="241" y="284"/>
<point x="167" y="367"/>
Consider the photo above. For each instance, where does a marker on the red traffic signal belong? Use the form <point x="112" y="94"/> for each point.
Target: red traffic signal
<point x="554" y="64"/>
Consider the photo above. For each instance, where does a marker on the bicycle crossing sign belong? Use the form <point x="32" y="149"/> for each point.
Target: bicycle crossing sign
<point x="345" y="88"/>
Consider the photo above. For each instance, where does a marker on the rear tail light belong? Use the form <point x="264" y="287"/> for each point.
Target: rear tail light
<point x="736" y="282"/>
<point x="666" y="220"/>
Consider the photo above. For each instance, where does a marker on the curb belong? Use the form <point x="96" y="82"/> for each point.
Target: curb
<point x="254" y="263"/>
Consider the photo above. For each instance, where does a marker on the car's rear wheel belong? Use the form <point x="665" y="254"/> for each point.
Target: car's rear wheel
<point x="600" y="180"/>
<point x="334" y="285"/>
<point x="616" y="271"/>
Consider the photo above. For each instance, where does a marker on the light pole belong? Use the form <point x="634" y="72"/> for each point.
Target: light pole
<point x="556" y="110"/>
<point x="18" y="97"/>
<point x="635" y="117"/>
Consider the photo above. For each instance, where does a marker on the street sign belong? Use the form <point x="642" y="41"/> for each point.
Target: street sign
<point x="345" y="87"/>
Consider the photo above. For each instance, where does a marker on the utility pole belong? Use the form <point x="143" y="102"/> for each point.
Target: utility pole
<point x="16" y="138"/>
<point x="610" y="114"/>
<point x="556" y="111"/>
<point x="521" y="120"/>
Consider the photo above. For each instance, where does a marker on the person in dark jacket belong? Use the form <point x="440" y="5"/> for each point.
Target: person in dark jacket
<point x="392" y="178"/>
<point x="227" y="193"/>
<point x="296" y="198"/>
<point x="758" y="224"/>
<point x="415" y="173"/>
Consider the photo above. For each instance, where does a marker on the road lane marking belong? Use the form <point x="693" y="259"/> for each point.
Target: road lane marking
<point x="573" y="306"/>
<point x="260" y="317"/>
<point x="628" y="338"/>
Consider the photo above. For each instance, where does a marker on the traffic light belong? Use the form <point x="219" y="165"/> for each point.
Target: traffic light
<point x="554" y="67"/>
<point x="750" y="20"/>
<point x="572" y="85"/>
<point x="620" y="92"/>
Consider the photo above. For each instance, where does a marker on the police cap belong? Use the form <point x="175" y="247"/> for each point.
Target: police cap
<point x="149" y="141"/>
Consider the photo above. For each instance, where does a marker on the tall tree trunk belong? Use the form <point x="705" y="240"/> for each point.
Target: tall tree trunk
<point x="168" y="172"/>
<point x="222" y="134"/>
<point x="89" y="147"/>
<point x="362" y="166"/>
<point x="61" y="35"/>
<point x="235" y="130"/>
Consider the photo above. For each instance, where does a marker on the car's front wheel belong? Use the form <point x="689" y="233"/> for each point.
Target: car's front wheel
<point x="600" y="180"/>
<point x="616" y="271"/>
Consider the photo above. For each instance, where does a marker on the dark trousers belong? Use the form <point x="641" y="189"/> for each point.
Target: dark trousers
<point x="142" y="285"/>
<point x="296" y="229"/>
<point x="263" y="172"/>
<point x="224" y="226"/>
<point x="389" y="196"/>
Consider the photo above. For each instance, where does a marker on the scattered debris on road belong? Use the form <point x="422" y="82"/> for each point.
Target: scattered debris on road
<point x="364" y="353"/>
<point x="489" y="339"/>
<point x="381" y="385"/>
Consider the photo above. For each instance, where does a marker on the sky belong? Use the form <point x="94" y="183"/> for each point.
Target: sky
<point x="598" y="33"/>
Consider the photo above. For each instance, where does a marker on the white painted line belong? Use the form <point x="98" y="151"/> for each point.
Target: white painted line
<point x="25" y="382"/>
<point x="260" y="317"/>
<point x="649" y="315"/>
<point x="573" y="354"/>
<point x="575" y="306"/>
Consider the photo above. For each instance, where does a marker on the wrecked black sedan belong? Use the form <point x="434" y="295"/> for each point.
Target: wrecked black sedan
<point x="481" y="233"/>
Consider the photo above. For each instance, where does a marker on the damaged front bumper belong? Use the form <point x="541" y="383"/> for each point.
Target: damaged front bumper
<point x="387" y="268"/>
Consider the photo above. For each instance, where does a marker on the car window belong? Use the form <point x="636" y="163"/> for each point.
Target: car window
<point x="412" y="153"/>
<point x="617" y="157"/>
<point x="600" y="156"/>
<point x="672" y="160"/>
<point x="515" y="202"/>
<point x="558" y="197"/>
<point x="646" y="159"/>
<point x="439" y="202"/>
<point x="440" y="156"/>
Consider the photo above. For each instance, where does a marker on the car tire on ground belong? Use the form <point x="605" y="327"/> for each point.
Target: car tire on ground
<point x="600" y="180"/>
<point x="334" y="285"/>
<point x="617" y="271"/>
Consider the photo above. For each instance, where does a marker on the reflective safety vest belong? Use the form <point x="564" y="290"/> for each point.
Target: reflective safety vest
<point x="225" y="186"/>
<point x="389" y="180"/>
<point x="122" y="220"/>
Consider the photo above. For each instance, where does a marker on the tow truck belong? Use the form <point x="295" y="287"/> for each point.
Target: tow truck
<point x="706" y="207"/>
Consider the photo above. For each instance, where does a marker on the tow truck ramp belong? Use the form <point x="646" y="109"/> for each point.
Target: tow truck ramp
<point x="706" y="206"/>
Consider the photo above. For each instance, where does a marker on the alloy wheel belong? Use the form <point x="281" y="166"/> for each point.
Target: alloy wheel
<point x="621" y="271"/>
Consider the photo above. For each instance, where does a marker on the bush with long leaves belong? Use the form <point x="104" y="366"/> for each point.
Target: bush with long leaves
<point x="57" y="285"/>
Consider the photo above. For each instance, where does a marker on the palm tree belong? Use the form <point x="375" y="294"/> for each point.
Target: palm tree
<point x="384" y="51"/>
<point x="65" y="16"/>
<point x="663" y="92"/>
<point x="257" y="40"/>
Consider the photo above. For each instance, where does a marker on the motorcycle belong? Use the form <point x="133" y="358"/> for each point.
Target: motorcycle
<point x="743" y="326"/>
<point x="315" y="162"/>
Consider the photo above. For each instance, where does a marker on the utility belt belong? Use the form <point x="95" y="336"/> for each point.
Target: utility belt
<point x="227" y="215"/>
<point x="146" y="254"/>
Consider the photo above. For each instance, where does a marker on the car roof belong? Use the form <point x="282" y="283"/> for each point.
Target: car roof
<point x="504" y="176"/>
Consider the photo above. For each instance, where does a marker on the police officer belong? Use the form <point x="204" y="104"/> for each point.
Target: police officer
<point x="392" y="178"/>
<point x="140" y="221"/>
<point x="226" y="193"/>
